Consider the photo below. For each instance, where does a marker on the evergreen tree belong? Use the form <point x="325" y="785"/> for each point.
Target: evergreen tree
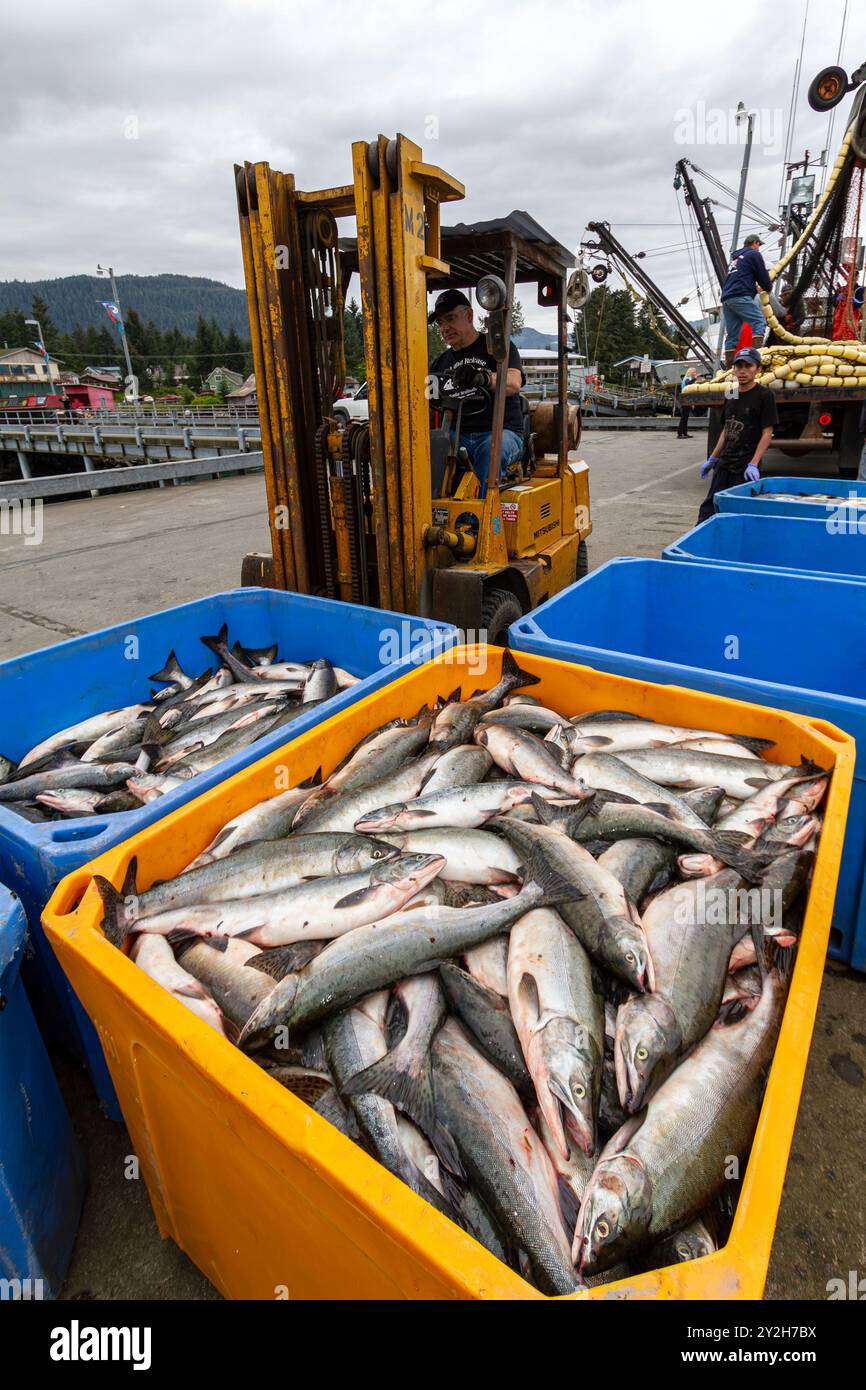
<point x="202" y="356"/>
<point x="39" y="310"/>
<point x="13" y="330"/>
<point x="354" y="341"/>
<point x="233" y="351"/>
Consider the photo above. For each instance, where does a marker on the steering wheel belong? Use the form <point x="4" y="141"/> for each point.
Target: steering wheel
<point x="475" y="400"/>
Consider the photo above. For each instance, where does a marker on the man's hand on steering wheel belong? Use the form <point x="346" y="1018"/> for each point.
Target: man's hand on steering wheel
<point x="468" y="378"/>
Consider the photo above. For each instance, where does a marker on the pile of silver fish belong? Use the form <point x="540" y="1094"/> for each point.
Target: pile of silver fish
<point x="832" y="499"/>
<point x="123" y="758"/>
<point x="534" y="964"/>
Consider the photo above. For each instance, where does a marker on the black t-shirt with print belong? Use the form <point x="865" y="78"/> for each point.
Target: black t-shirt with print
<point x="745" y="417"/>
<point x="476" y="355"/>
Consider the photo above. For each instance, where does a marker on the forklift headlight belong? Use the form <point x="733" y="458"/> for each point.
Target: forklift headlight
<point x="490" y="293"/>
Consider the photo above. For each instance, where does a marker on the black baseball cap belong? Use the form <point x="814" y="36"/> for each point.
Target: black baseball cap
<point x="748" y="355"/>
<point x="447" y="300"/>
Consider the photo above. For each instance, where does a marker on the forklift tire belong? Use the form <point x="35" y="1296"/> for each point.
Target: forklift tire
<point x="499" y="609"/>
<point x="581" y="569"/>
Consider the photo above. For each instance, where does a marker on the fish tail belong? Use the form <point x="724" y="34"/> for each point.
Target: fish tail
<point x="751" y="864"/>
<point x="154" y="736"/>
<point x="567" y="818"/>
<point x="757" y="745"/>
<point x="170" y="671"/>
<point x="217" y="644"/>
<point x="114" y="924"/>
<point x="511" y="669"/>
<point x="409" y="1087"/>
<point x="810" y="771"/>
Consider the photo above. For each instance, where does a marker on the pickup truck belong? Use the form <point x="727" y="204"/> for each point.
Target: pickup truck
<point x="353" y="407"/>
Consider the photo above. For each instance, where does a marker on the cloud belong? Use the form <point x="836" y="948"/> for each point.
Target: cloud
<point x="119" y="130"/>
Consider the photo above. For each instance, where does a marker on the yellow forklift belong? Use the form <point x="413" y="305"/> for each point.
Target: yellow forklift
<point x="388" y="512"/>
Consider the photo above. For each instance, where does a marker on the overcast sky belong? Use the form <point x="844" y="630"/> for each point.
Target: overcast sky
<point x="119" y="129"/>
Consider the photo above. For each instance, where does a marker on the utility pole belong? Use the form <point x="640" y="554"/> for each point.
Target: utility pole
<point x="38" y="326"/>
<point x="103" y="270"/>
<point x="749" y="118"/>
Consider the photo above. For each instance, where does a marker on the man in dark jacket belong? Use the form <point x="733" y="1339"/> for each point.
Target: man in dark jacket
<point x="739" y="305"/>
<point x="466" y="368"/>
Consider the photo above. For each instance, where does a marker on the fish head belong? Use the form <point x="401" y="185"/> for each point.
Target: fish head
<point x="385" y="818"/>
<point x="628" y="954"/>
<point x="354" y="858"/>
<point x="795" y="831"/>
<point x="573" y="1074"/>
<point x="646" y="1032"/>
<point x="808" y="795"/>
<point x="693" y="1243"/>
<point x="409" y="872"/>
<point x="614" y="1214"/>
<point x="266" y="1025"/>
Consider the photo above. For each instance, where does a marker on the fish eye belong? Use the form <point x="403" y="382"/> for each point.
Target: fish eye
<point x="630" y="957"/>
<point x="377" y="853"/>
<point x="579" y="1090"/>
<point x="684" y="1252"/>
<point x="602" y="1230"/>
<point x="641" y="1054"/>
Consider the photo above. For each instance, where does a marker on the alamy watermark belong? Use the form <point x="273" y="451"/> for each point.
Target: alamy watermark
<point x="23" y="1290"/>
<point x="77" y="1343"/>
<point x="711" y="906"/>
<point x="853" y="1288"/>
<point x="409" y="642"/>
<point x="847" y="517"/>
<point x="715" y="125"/>
<point x="22" y="516"/>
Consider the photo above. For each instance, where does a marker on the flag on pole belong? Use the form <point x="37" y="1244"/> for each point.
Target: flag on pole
<point x="41" y="348"/>
<point x="113" y="312"/>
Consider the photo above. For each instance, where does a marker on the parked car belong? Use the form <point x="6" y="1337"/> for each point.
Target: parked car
<point x="353" y="407"/>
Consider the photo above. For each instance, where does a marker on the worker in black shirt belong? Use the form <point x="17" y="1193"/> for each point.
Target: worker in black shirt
<point x="465" y="367"/>
<point x="748" y="419"/>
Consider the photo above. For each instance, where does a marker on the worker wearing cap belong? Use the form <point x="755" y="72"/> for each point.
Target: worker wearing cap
<point x="739" y="305"/>
<point x="464" y="368"/>
<point x="748" y="419"/>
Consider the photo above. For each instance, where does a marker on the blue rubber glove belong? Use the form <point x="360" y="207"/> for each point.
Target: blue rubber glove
<point x="708" y="466"/>
<point x="753" y="473"/>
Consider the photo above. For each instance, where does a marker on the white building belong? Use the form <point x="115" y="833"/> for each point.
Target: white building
<point x="27" y="366"/>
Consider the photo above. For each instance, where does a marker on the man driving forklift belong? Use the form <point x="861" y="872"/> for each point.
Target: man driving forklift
<point x="467" y="373"/>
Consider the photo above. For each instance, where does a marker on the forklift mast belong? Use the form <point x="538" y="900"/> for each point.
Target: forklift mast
<point x="352" y="511"/>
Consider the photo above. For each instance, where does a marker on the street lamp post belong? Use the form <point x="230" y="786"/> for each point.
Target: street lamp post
<point x="37" y="325"/>
<point x="749" y="118"/>
<point x="108" y="270"/>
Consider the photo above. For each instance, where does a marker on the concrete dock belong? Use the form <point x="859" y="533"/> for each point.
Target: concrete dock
<point x="108" y="559"/>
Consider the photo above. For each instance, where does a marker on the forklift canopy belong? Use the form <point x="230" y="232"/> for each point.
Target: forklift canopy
<point x="473" y="249"/>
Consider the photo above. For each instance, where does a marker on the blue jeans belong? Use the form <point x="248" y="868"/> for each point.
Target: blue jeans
<point x="477" y="445"/>
<point x="740" y="309"/>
